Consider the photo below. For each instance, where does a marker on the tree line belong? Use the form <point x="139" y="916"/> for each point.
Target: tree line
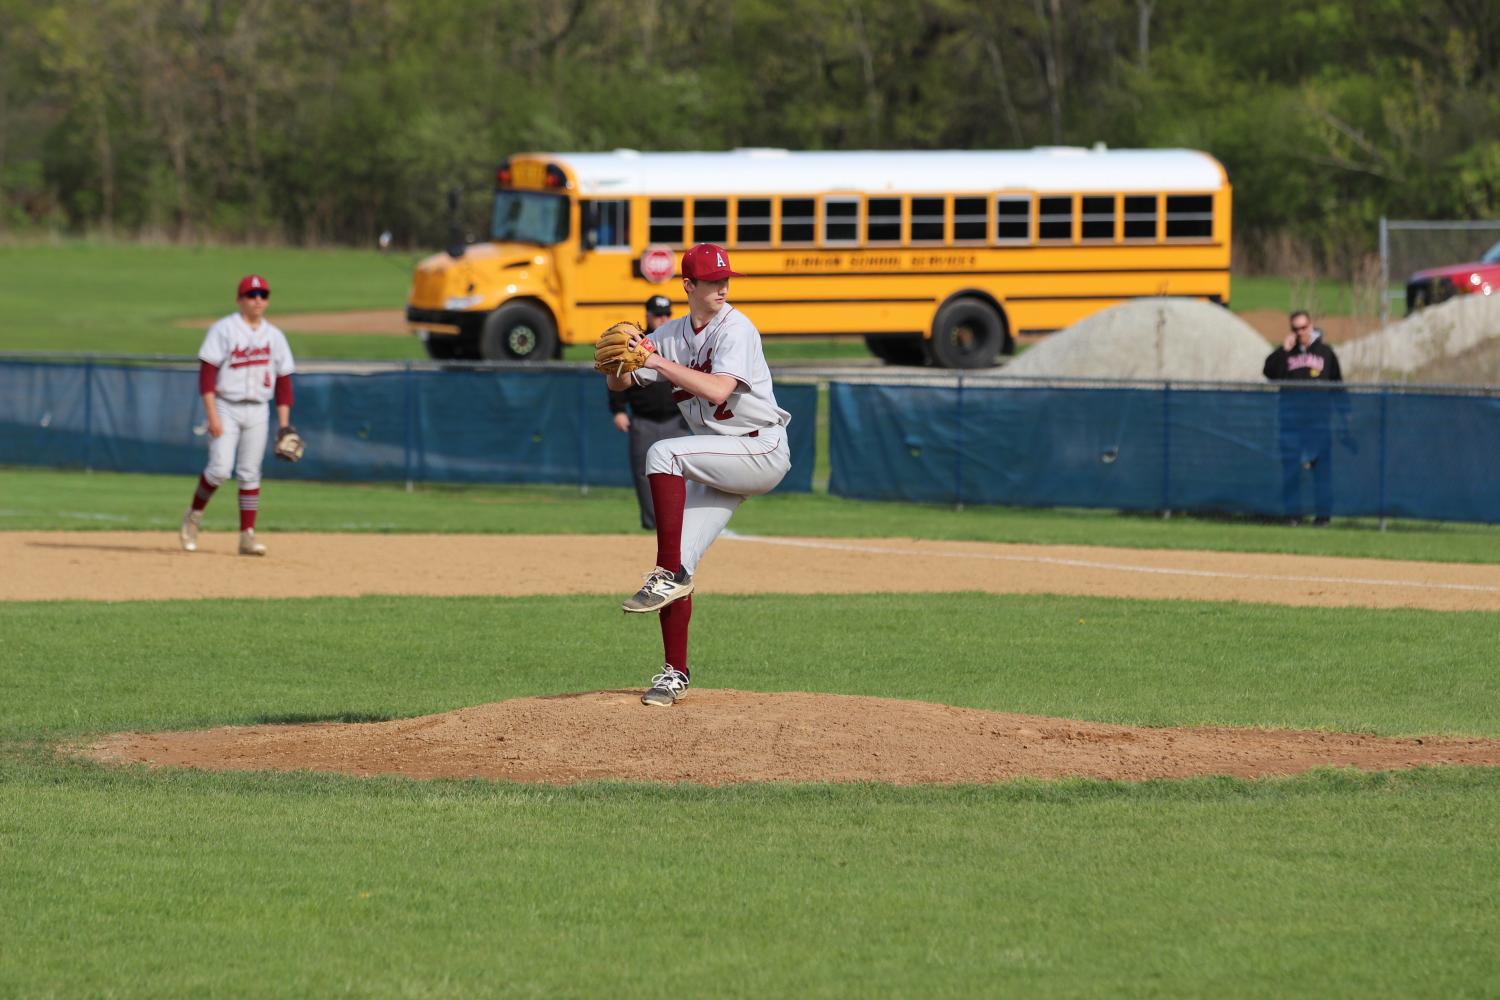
<point x="329" y="121"/>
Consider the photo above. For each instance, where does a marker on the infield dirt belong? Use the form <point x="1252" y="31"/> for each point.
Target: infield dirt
<point x="720" y="736"/>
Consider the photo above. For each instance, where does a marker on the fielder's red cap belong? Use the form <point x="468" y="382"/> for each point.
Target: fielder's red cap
<point x="707" y="262"/>
<point x="253" y="282"/>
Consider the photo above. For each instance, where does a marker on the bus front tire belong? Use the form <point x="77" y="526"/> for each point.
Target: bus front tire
<point x="967" y="333"/>
<point x="518" y="332"/>
<point x="897" y="350"/>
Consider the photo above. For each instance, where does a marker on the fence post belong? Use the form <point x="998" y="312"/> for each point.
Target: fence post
<point x="1385" y="274"/>
<point x="1166" y="449"/>
<point x="409" y="396"/>
<point x="958" y="465"/>
<point x="88" y="414"/>
<point x="583" y="435"/>
<point x="1384" y="395"/>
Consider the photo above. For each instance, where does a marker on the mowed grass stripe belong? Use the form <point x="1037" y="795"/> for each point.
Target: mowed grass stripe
<point x="59" y="500"/>
<point x="85" y="667"/>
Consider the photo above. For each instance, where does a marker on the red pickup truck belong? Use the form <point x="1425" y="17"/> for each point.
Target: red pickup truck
<point x="1437" y="284"/>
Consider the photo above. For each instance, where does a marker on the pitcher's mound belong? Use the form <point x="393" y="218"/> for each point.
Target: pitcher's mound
<point x="721" y="737"/>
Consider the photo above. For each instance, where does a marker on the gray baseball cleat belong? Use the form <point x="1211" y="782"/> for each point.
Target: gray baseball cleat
<point x="662" y="588"/>
<point x="249" y="546"/>
<point x="188" y="533"/>
<point x="667" y="688"/>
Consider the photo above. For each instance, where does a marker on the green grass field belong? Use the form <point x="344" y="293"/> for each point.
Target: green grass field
<point x="125" y="882"/>
<point x="113" y="298"/>
<point x="46" y="499"/>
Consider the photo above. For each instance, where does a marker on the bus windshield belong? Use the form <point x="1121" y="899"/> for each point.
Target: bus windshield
<point x="525" y="217"/>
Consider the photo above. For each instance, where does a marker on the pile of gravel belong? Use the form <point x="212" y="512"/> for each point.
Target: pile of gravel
<point x="1159" y="338"/>
<point x="1426" y="343"/>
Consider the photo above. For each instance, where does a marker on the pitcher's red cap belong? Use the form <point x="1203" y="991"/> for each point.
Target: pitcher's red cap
<point x="251" y="282"/>
<point x="707" y="262"/>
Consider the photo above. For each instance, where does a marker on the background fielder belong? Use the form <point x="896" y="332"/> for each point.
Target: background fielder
<point x="738" y="447"/>
<point x="243" y="364"/>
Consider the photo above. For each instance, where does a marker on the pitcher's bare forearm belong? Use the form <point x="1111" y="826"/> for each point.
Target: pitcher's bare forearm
<point x="710" y="388"/>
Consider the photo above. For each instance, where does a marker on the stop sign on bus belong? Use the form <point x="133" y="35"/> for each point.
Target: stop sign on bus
<point x="657" y="264"/>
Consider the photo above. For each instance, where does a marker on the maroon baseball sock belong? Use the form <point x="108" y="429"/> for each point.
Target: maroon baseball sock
<point x="249" y="504"/>
<point x="668" y="497"/>
<point x="674" y="632"/>
<point x="203" y="493"/>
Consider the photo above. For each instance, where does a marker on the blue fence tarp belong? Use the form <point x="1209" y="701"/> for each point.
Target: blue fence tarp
<point x="1275" y="451"/>
<point x="1256" y="449"/>
<point x="481" y="425"/>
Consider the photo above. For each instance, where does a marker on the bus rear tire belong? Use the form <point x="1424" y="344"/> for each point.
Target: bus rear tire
<point x="967" y="333"/>
<point x="897" y="350"/>
<point x="518" y="332"/>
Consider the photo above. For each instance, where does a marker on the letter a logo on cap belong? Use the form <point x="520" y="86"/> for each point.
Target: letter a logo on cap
<point x="695" y="263"/>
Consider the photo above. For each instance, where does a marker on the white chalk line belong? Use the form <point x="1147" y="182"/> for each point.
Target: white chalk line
<point x="1115" y="567"/>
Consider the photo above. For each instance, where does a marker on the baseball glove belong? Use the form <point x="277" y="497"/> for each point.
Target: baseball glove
<point x="613" y="354"/>
<point x="289" y="445"/>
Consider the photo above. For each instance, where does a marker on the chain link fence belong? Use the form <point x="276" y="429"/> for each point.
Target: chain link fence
<point x="1410" y="245"/>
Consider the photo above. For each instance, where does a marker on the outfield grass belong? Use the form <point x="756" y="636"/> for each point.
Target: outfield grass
<point x="49" y="499"/>
<point x="128" y="299"/>
<point x="1324" y="297"/>
<point x="117" y="298"/>
<point x="134" y="883"/>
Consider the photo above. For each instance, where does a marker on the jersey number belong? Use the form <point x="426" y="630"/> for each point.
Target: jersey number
<point x="268" y="378"/>
<point x="723" y="412"/>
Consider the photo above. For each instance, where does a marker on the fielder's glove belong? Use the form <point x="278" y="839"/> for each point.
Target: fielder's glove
<point x="289" y="445"/>
<point x="613" y="354"/>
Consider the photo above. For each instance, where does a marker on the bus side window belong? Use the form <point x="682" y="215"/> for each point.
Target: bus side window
<point x="840" y="221"/>
<point x="927" y="220"/>
<point x="970" y="225"/>
<point x="1190" y="216"/>
<point x="1013" y="220"/>
<point x="797" y="225"/>
<point x="1098" y="217"/>
<point x="606" y="224"/>
<point x="1140" y="216"/>
<point x="666" y="221"/>
<point x="883" y="220"/>
<point x="1054" y="218"/>
<point x="754" y="222"/>
<point x="711" y="220"/>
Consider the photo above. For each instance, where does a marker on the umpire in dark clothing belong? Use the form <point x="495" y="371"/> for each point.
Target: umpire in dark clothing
<point x="648" y="415"/>
<point x="1305" y="436"/>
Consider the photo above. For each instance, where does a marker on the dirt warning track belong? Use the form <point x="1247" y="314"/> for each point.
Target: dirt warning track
<point x="119" y="566"/>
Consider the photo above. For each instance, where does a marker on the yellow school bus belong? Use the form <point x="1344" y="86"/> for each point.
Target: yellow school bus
<point x="938" y="257"/>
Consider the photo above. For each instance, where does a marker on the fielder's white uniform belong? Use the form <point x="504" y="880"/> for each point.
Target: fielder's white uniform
<point x="738" y="449"/>
<point x="249" y="362"/>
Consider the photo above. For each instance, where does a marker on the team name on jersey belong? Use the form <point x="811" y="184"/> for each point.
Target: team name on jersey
<point x="240" y="357"/>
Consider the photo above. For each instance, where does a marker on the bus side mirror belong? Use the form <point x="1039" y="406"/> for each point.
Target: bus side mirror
<point x="590" y="219"/>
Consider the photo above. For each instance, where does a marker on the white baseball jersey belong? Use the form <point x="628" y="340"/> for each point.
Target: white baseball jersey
<point x="728" y="345"/>
<point x="249" y="361"/>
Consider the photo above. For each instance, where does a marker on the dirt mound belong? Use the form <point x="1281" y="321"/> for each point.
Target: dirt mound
<point x="720" y="737"/>
<point x="1423" y="346"/>
<point x="1158" y="338"/>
